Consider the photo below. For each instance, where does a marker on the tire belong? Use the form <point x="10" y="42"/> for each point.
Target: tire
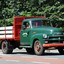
<point x="30" y="50"/>
<point x="38" y="48"/>
<point x="6" y="47"/>
<point x="61" y="51"/>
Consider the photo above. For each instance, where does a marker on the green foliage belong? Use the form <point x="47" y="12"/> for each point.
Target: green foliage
<point x="53" y="9"/>
<point x="6" y="22"/>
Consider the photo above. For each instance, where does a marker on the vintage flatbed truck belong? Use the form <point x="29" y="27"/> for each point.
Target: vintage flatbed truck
<point x="34" y="33"/>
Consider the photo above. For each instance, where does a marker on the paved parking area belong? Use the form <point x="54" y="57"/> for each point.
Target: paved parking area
<point x="21" y="57"/>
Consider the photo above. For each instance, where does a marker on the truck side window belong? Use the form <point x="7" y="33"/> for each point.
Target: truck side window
<point x="26" y="25"/>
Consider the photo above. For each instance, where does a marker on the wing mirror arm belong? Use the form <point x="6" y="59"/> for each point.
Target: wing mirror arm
<point x="23" y="27"/>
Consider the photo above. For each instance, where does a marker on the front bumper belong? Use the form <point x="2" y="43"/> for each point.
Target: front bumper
<point x="54" y="45"/>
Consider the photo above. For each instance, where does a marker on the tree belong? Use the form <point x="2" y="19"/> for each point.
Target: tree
<point x="53" y="9"/>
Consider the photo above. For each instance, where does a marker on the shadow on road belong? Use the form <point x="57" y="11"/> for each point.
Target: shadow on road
<point x="45" y="54"/>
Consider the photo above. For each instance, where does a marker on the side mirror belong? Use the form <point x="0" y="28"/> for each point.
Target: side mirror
<point x="23" y="26"/>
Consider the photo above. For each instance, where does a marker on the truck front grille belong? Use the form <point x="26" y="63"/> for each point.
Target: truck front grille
<point x="55" y="39"/>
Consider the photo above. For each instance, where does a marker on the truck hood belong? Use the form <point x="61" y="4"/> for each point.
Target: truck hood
<point x="46" y="30"/>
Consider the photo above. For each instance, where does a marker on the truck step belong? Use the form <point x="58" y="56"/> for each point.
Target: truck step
<point x="25" y="46"/>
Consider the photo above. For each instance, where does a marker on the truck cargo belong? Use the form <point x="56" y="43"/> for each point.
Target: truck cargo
<point x="34" y="33"/>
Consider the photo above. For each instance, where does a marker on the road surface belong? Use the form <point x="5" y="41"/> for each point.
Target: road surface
<point x="21" y="57"/>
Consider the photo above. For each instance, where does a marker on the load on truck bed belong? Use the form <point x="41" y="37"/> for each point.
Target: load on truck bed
<point x="34" y="33"/>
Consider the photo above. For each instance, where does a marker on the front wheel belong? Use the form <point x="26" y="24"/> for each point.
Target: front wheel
<point x="38" y="48"/>
<point x="6" y="47"/>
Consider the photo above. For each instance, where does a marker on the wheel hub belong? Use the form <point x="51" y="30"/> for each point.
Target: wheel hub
<point x="37" y="47"/>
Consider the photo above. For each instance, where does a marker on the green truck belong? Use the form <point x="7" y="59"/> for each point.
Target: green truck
<point x="35" y="34"/>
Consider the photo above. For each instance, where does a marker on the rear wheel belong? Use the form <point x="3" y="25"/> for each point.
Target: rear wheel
<point x="38" y="48"/>
<point x="6" y="47"/>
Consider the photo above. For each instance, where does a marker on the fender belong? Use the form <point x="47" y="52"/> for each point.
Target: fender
<point x="36" y="36"/>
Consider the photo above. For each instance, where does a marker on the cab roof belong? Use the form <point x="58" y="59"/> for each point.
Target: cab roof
<point x="32" y="19"/>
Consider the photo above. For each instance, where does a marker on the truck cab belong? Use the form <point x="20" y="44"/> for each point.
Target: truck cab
<point x="31" y="28"/>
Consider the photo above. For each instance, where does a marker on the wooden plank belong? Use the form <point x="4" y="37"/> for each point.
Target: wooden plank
<point x="8" y="27"/>
<point x="2" y="32"/>
<point x="7" y="36"/>
<point x="7" y="32"/>
<point x="2" y="28"/>
<point x="11" y="32"/>
<point x="2" y="36"/>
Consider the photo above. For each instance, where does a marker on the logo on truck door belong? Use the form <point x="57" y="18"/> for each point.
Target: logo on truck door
<point x="24" y="34"/>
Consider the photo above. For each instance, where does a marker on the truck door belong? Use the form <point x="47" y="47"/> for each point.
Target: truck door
<point x="25" y="34"/>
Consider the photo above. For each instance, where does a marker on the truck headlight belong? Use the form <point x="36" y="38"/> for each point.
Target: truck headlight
<point x="44" y="35"/>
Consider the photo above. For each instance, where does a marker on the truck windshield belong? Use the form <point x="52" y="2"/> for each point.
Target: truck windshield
<point x="37" y="23"/>
<point x="57" y="24"/>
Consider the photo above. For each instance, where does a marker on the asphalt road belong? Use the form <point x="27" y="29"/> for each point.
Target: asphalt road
<point x="21" y="57"/>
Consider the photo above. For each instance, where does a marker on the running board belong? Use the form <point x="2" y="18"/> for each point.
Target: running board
<point x="25" y="46"/>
